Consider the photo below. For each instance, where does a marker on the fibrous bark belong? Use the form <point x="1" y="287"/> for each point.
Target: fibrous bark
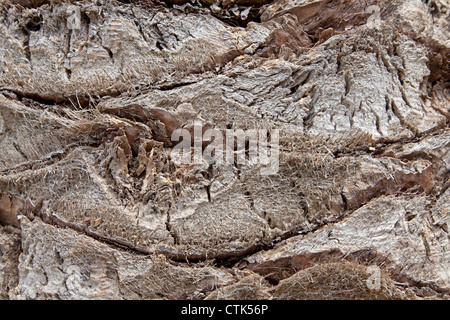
<point x="93" y="206"/>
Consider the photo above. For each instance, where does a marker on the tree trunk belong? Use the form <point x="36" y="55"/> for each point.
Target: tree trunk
<point x="351" y="99"/>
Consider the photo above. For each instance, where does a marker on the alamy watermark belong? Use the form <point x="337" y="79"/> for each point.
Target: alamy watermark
<point x="253" y="147"/>
<point x="375" y="15"/>
<point x="249" y="147"/>
<point x="74" y="18"/>
<point x="374" y="280"/>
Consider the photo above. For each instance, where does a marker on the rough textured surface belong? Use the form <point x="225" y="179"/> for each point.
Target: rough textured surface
<point x="93" y="206"/>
